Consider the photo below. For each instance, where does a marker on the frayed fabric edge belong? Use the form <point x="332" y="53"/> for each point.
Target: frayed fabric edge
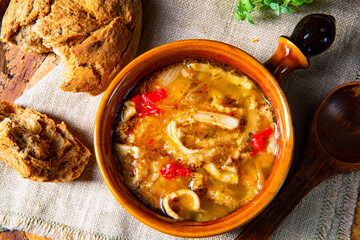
<point x="348" y="204"/>
<point x="327" y="209"/>
<point x="39" y="227"/>
<point x="351" y="181"/>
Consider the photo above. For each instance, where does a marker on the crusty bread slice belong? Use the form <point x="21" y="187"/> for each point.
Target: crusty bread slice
<point x="95" y="39"/>
<point x="37" y="148"/>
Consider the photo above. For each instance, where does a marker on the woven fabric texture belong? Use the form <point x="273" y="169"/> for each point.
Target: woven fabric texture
<point x="85" y="208"/>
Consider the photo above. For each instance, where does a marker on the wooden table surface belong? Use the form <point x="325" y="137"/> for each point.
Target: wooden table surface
<point x="20" y="71"/>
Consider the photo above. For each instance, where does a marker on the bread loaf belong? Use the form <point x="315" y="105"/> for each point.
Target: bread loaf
<point x="95" y="39"/>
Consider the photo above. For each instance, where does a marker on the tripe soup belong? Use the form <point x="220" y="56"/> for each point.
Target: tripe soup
<point x="195" y="140"/>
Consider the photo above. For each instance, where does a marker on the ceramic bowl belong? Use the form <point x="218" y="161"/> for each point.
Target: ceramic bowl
<point x="281" y="63"/>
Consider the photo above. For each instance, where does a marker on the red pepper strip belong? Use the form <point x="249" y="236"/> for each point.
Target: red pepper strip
<point x="157" y="95"/>
<point x="171" y="170"/>
<point x="148" y="112"/>
<point x="144" y="103"/>
<point x="258" y="140"/>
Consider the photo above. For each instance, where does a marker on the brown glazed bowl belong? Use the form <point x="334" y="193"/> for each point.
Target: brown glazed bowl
<point x="287" y="57"/>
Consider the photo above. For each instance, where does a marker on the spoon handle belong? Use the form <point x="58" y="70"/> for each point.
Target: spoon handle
<point x="312" y="35"/>
<point x="313" y="170"/>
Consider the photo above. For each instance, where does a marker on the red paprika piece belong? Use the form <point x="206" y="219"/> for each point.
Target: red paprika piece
<point x="144" y="103"/>
<point x="171" y="170"/>
<point x="157" y="95"/>
<point x="206" y="88"/>
<point x="154" y="111"/>
<point x="258" y="140"/>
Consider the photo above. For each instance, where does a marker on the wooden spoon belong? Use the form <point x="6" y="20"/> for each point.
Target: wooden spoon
<point x="333" y="148"/>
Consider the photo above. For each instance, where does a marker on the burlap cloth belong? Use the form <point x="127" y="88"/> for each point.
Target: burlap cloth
<point x="85" y="208"/>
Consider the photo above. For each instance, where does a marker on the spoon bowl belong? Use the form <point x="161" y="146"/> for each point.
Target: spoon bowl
<point x="338" y="124"/>
<point x="333" y="148"/>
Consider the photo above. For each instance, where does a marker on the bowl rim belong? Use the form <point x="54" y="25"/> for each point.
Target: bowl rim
<point x="231" y="221"/>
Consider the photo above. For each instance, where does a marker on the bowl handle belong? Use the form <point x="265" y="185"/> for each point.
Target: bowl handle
<point x="312" y="35"/>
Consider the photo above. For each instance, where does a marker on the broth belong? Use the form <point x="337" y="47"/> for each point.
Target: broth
<point x="195" y="140"/>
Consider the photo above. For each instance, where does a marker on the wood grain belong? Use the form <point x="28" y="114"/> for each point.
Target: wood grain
<point x="19" y="235"/>
<point x="13" y="235"/>
<point x="23" y="70"/>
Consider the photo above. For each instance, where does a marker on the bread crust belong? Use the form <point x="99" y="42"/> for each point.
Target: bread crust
<point x="94" y="38"/>
<point x="37" y="148"/>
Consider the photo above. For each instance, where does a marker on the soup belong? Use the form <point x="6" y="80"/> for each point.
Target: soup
<point x="195" y="140"/>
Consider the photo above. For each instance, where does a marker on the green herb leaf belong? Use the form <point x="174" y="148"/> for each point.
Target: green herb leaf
<point x="274" y="6"/>
<point x="268" y="2"/>
<point x="245" y="8"/>
<point x="298" y="2"/>
<point x="285" y="9"/>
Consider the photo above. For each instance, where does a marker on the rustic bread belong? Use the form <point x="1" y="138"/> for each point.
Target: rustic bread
<point x="94" y="38"/>
<point x="37" y="148"/>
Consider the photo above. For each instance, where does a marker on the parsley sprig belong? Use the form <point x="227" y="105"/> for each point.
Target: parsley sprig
<point x="245" y="8"/>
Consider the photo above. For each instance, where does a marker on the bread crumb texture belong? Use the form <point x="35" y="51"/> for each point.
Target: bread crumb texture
<point x="95" y="39"/>
<point x="37" y="148"/>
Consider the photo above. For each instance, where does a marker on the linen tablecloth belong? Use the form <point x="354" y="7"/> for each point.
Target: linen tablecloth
<point x="85" y="208"/>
